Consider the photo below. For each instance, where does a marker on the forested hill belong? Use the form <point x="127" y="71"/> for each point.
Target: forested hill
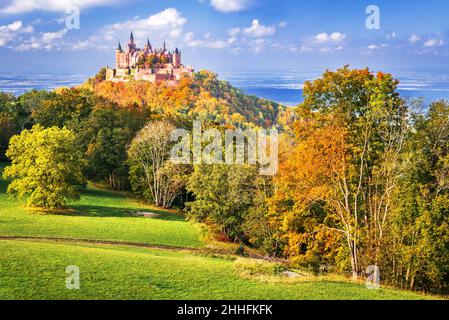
<point x="204" y="96"/>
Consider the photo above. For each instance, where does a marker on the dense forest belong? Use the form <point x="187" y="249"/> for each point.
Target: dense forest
<point x="363" y="174"/>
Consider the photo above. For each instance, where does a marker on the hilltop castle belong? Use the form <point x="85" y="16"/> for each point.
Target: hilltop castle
<point x="148" y="64"/>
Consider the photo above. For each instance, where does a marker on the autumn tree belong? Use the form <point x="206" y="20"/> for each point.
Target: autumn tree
<point x="203" y="95"/>
<point x="349" y="136"/>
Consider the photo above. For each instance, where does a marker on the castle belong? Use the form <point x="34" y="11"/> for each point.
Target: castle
<point x="148" y="64"/>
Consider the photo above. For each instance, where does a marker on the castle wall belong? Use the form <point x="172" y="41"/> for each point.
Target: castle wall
<point x="110" y="74"/>
<point x="122" y="72"/>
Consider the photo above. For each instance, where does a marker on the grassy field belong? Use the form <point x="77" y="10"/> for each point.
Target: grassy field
<point x="35" y="269"/>
<point x="100" y="215"/>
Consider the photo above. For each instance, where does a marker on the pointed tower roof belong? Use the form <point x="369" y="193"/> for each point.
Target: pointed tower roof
<point x="165" y="47"/>
<point x="131" y="37"/>
<point x="119" y="47"/>
<point x="148" y="42"/>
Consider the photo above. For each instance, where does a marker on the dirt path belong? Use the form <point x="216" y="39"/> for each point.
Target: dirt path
<point x="108" y="242"/>
<point x="205" y="250"/>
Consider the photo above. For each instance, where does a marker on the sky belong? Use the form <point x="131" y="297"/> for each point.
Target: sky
<point x="247" y="35"/>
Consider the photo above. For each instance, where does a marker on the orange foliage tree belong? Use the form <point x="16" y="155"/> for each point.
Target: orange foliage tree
<point x="334" y="188"/>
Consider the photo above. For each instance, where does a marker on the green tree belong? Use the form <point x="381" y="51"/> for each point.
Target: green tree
<point x="46" y="166"/>
<point x="105" y="136"/>
<point x="68" y="108"/>
<point x="9" y="119"/>
<point x="417" y="255"/>
<point x="223" y="194"/>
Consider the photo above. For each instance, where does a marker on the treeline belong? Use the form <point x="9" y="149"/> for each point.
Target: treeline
<point x="363" y="176"/>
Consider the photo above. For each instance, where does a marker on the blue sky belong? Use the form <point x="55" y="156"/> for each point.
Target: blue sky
<point x="226" y="34"/>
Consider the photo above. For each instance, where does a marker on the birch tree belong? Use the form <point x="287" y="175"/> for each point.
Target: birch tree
<point x="151" y="173"/>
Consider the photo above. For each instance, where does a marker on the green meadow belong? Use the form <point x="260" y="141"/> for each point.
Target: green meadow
<point x="99" y="215"/>
<point x="32" y="268"/>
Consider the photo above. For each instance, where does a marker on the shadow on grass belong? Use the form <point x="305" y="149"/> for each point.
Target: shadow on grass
<point x="80" y="210"/>
<point x="104" y="212"/>
<point x="3" y="183"/>
<point x="103" y="193"/>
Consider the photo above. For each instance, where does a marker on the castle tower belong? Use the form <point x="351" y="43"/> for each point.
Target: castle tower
<point x="131" y="43"/>
<point x="177" y="58"/>
<point x="118" y="54"/>
<point x="148" y="47"/>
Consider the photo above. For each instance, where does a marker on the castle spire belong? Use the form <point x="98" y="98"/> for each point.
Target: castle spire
<point x="148" y="42"/>
<point x="131" y="43"/>
<point x="119" y="48"/>
<point x="165" y="47"/>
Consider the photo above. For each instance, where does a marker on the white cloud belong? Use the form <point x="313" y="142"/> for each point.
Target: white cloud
<point x="283" y="24"/>
<point x="331" y="49"/>
<point x="49" y="37"/>
<point x="305" y="49"/>
<point x="189" y="36"/>
<point x="334" y="37"/>
<point x="227" y="6"/>
<point x="45" y="41"/>
<point x="23" y="6"/>
<point x="16" y="27"/>
<point x="414" y="39"/>
<point x="391" y="35"/>
<point x="10" y="32"/>
<point x="234" y="32"/>
<point x="218" y="44"/>
<point x="165" y="25"/>
<point x="232" y="40"/>
<point x="259" y="45"/>
<point x="81" y="45"/>
<point x="206" y="42"/>
<point x="258" y="30"/>
<point x="433" y="43"/>
<point x="259" y="42"/>
<point x="375" y="47"/>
